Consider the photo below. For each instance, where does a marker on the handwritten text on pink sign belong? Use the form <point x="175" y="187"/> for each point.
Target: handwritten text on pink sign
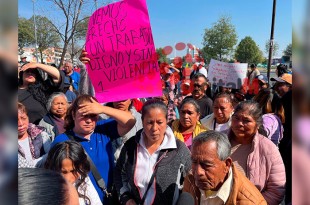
<point x="123" y="61"/>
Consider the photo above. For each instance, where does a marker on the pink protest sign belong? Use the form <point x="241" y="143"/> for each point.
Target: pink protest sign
<point x="123" y="61"/>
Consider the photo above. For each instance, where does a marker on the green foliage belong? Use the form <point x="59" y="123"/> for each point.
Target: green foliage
<point x="288" y="50"/>
<point x="161" y="56"/>
<point x="25" y="34"/>
<point x="248" y="52"/>
<point x="46" y="35"/>
<point x="219" y="40"/>
<point x="265" y="60"/>
<point x="275" y="47"/>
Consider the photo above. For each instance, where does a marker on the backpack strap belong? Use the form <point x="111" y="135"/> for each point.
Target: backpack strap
<point x="100" y="181"/>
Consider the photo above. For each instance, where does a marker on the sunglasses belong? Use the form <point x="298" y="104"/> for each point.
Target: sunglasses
<point x="198" y="86"/>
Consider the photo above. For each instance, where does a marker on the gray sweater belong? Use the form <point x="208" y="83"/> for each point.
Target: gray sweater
<point x="169" y="176"/>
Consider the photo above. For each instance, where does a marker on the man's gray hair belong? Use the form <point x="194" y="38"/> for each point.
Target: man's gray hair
<point x="221" y="139"/>
<point x="69" y="63"/>
<point x="51" y="99"/>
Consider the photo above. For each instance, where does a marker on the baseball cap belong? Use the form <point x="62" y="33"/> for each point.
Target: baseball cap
<point x="23" y="56"/>
<point x="262" y="78"/>
<point x="285" y="78"/>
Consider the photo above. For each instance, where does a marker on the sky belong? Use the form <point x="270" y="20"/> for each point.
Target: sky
<point x="174" y="21"/>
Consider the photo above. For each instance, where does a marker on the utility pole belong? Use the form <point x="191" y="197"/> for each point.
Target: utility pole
<point x="271" y="42"/>
<point x="35" y="32"/>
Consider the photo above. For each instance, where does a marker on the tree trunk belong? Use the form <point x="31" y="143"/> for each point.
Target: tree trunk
<point x="72" y="57"/>
<point x="72" y="50"/>
<point x="41" y="55"/>
<point x="64" y="51"/>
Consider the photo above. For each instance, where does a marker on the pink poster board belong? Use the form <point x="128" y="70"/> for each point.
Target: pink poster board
<point x="123" y="62"/>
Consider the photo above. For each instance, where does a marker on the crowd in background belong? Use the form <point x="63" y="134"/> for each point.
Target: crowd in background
<point x="143" y="150"/>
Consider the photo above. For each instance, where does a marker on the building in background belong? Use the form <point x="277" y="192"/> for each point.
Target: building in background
<point x="50" y="55"/>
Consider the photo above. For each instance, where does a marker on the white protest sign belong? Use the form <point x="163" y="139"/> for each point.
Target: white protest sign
<point x="230" y="75"/>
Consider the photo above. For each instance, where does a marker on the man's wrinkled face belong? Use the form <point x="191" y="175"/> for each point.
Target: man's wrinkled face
<point x="200" y="87"/>
<point x="67" y="68"/>
<point x="208" y="170"/>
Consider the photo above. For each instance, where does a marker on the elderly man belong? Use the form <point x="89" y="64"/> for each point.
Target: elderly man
<point x="75" y="76"/>
<point x="213" y="178"/>
<point x="205" y="103"/>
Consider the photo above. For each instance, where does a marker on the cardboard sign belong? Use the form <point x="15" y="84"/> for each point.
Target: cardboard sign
<point x="123" y="61"/>
<point x="230" y="75"/>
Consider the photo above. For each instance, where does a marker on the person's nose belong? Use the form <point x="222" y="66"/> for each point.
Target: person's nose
<point x="88" y="119"/>
<point x="70" y="178"/>
<point x="185" y="115"/>
<point x="19" y="122"/>
<point x="154" y="127"/>
<point x="198" y="170"/>
<point x="240" y="123"/>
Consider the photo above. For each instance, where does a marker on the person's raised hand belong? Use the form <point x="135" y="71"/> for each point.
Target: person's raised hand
<point x="29" y="66"/>
<point x="88" y="108"/>
<point x="83" y="57"/>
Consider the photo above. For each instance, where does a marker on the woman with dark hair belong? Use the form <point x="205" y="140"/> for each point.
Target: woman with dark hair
<point x="34" y="91"/>
<point x="33" y="141"/>
<point x="69" y="159"/>
<point x="273" y="114"/>
<point x="188" y="126"/>
<point x="82" y="125"/>
<point x="220" y="119"/>
<point x="254" y="154"/>
<point x="153" y="164"/>
<point x="281" y="69"/>
<point x="44" y="187"/>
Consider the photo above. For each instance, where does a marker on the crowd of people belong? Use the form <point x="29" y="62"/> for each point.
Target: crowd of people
<point x="194" y="144"/>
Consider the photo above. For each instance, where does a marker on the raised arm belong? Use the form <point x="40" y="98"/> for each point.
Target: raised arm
<point x="50" y="70"/>
<point x="83" y="57"/>
<point x="125" y="120"/>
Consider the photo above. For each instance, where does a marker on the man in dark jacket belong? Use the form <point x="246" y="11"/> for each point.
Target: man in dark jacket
<point x="205" y="103"/>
